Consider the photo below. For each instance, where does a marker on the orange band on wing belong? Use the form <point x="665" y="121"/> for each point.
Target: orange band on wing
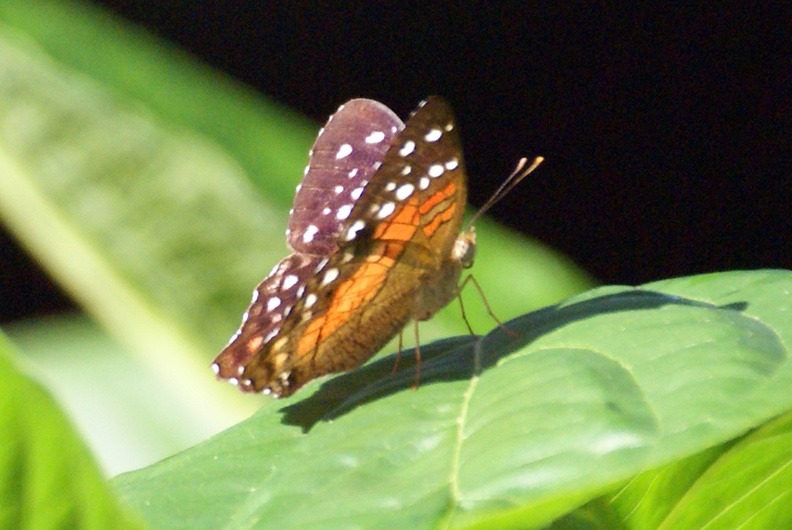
<point x="437" y="198"/>
<point x="402" y="226"/>
<point x="442" y="217"/>
<point x="352" y="293"/>
<point x="367" y="281"/>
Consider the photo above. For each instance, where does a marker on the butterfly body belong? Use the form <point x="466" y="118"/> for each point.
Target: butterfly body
<point x="375" y="232"/>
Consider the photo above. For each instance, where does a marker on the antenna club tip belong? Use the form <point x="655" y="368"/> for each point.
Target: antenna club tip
<point x="538" y="160"/>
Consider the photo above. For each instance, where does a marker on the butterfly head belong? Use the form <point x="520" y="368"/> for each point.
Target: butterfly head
<point x="464" y="251"/>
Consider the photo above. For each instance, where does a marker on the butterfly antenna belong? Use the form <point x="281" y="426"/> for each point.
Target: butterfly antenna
<point x="519" y="173"/>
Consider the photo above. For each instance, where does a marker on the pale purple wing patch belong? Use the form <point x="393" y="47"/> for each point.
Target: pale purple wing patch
<point x="272" y="302"/>
<point x="347" y="152"/>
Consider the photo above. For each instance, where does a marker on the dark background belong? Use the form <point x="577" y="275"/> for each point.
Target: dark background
<point x="666" y="131"/>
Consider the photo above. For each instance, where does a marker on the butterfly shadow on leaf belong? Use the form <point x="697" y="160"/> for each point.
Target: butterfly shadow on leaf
<point x="463" y="357"/>
<point x="445" y="360"/>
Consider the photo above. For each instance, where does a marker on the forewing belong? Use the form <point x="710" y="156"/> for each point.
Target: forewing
<point x="419" y="194"/>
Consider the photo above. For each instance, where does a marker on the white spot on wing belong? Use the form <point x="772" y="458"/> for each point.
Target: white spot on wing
<point x="353" y="173"/>
<point x="356" y="193"/>
<point x="344" y="151"/>
<point x="423" y="183"/>
<point x="433" y="135"/>
<point x="289" y="282"/>
<point x="216" y="368"/>
<point x="236" y="334"/>
<point x="338" y="189"/>
<point x="273" y="303"/>
<point x="390" y="186"/>
<point x="375" y="137"/>
<point x="404" y="191"/>
<point x="452" y="164"/>
<point x="386" y="209"/>
<point x="436" y="170"/>
<point x="352" y="231"/>
<point x="309" y="233"/>
<point x="344" y="212"/>
<point x="271" y="335"/>
<point x="407" y="148"/>
<point x="329" y="276"/>
<point x="310" y="300"/>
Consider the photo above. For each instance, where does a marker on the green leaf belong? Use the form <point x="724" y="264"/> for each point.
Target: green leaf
<point x="47" y="477"/>
<point x="738" y="485"/>
<point x="513" y="432"/>
<point x="749" y="487"/>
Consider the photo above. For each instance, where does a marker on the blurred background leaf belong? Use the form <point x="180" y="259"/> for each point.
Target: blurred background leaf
<point x="47" y="477"/>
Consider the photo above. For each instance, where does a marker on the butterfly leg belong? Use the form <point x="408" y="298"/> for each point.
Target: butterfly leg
<point x="462" y="309"/>
<point x="398" y="353"/>
<point x="417" y="356"/>
<point x="471" y="279"/>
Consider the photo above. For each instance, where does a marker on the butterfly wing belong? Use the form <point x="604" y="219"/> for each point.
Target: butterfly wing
<point x="334" y="179"/>
<point x="419" y="194"/>
<point x="396" y="239"/>
<point x="272" y="303"/>
<point x="346" y="154"/>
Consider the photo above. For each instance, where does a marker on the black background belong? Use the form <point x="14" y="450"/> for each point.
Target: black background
<point x="666" y="131"/>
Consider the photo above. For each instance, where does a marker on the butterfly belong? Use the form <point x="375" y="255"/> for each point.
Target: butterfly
<point x="377" y="241"/>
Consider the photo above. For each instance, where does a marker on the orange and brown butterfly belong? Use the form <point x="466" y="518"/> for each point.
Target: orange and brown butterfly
<point x="375" y="234"/>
